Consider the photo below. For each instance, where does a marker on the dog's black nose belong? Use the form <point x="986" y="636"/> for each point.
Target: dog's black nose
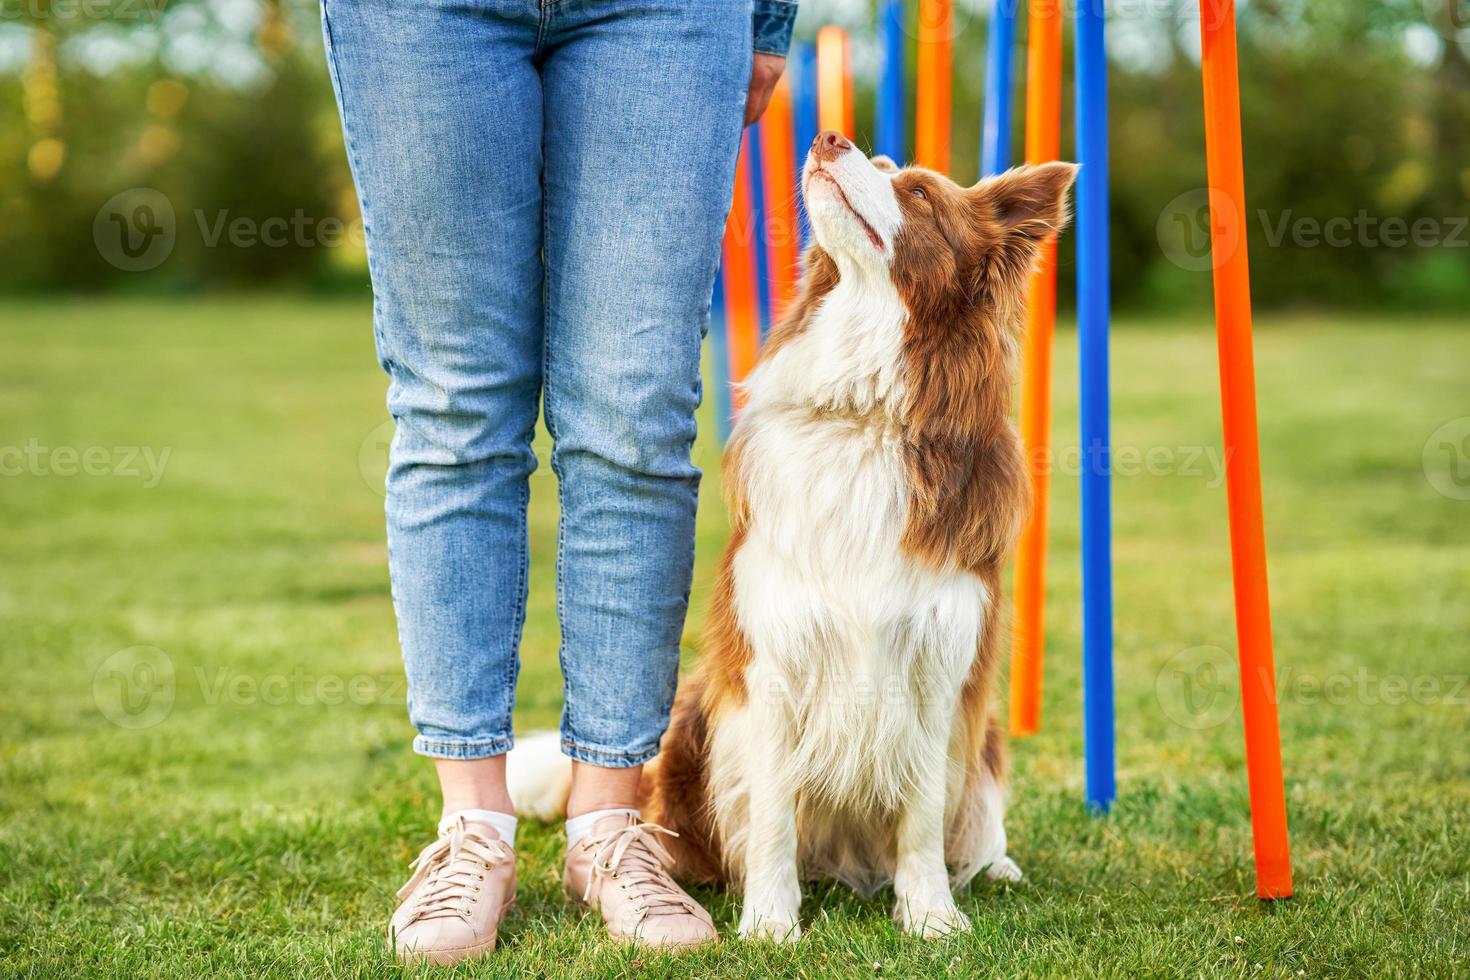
<point x="829" y="144"/>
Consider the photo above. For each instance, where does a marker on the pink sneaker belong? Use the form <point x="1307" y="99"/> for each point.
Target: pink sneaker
<point x="462" y="884"/>
<point x="620" y="870"/>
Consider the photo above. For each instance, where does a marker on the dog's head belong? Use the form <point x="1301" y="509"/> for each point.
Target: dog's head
<point x="948" y="249"/>
<point x="947" y="269"/>
<point x="958" y="259"/>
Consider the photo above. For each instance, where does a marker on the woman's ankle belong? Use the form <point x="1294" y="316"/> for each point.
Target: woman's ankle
<point x="601" y="788"/>
<point x="473" y="784"/>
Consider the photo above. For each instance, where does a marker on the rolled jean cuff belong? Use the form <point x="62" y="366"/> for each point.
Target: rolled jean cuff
<point x="456" y="748"/>
<point x="596" y="756"/>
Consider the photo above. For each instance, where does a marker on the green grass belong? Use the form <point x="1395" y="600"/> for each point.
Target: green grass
<point x="262" y="824"/>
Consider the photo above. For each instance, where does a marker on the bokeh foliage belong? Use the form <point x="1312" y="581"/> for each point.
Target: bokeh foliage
<point x="1352" y="108"/>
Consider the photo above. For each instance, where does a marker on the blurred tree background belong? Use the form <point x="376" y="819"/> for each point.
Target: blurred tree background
<point x="1355" y="110"/>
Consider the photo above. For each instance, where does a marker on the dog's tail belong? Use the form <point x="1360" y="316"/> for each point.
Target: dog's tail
<point x="539" y="776"/>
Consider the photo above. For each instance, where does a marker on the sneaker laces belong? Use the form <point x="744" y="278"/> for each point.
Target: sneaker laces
<point x="454" y="866"/>
<point x="636" y="858"/>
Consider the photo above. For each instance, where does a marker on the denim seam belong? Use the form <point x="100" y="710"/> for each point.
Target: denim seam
<point x="597" y="756"/>
<point x="550" y="413"/>
<point x="523" y="540"/>
<point x="513" y="641"/>
<point x="350" y="145"/>
<point x="543" y="25"/>
<point x="349" y="140"/>
<point x="466" y="748"/>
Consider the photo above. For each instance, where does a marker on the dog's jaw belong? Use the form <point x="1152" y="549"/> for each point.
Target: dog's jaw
<point x="820" y="177"/>
<point x="852" y="207"/>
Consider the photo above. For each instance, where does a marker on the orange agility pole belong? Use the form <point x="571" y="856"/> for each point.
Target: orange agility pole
<point x="1242" y="449"/>
<point x="834" y="81"/>
<point x="778" y="168"/>
<point x="932" y="89"/>
<point x="1043" y="143"/>
<point x="742" y="316"/>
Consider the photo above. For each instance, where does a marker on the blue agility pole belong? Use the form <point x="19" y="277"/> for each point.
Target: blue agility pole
<point x="1092" y="338"/>
<point x="995" y="133"/>
<point x="890" y="82"/>
<point x="759" y="232"/>
<point x="719" y="359"/>
<point x="804" y="95"/>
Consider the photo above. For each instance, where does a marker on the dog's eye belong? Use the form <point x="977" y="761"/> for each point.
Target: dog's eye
<point x="919" y="193"/>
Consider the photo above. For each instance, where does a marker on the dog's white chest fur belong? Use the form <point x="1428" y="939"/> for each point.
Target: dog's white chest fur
<point x="854" y="641"/>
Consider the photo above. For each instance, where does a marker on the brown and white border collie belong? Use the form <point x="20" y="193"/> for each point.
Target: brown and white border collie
<point x="840" y="723"/>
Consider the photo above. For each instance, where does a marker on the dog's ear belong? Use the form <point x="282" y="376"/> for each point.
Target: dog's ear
<point x="885" y="164"/>
<point x="1029" y="202"/>
<point x="1015" y="213"/>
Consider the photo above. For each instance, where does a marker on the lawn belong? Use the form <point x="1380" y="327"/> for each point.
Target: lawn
<point x="204" y="758"/>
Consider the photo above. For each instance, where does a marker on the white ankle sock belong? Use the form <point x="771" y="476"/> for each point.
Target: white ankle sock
<point x="579" y="827"/>
<point x="504" y="823"/>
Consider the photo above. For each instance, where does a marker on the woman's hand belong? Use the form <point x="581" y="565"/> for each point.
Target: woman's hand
<point x="765" y="72"/>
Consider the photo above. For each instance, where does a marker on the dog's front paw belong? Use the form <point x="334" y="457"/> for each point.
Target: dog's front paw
<point x="780" y="927"/>
<point x="931" y="918"/>
<point x="772" y="906"/>
<point x="1003" y="870"/>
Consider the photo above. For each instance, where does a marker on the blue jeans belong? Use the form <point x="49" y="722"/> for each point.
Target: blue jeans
<point x="543" y="187"/>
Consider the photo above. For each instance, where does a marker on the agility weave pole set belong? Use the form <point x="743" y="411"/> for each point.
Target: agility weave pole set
<point x="758" y="279"/>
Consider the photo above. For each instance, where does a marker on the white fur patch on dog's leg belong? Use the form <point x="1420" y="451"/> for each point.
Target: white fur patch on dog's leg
<point x="998" y="865"/>
<point x="772" y="905"/>
<point x="926" y="906"/>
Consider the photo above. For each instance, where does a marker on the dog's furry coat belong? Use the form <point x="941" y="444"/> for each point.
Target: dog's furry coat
<point x="840" y="722"/>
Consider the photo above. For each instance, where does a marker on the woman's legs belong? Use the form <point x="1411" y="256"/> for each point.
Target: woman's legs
<point x="441" y="111"/>
<point x="441" y="108"/>
<point x="644" y="100"/>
